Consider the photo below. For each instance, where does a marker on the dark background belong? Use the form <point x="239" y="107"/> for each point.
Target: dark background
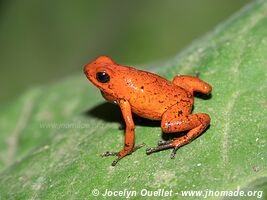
<point x="43" y="41"/>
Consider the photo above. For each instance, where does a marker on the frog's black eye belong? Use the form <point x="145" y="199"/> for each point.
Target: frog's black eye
<point x="102" y="77"/>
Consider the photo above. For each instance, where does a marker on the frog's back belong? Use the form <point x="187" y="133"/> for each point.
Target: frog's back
<point x="151" y="95"/>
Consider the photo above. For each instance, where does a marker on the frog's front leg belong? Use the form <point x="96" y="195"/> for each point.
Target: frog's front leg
<point x="129" y="133"/>
<point x="176" y="120"/>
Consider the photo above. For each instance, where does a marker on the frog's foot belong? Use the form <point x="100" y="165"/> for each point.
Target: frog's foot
<point x="161" y="142"/>
<point x="121" y="154"/>
<point x="109" y="153"/>
<point x="174" y="152"/>
<point x="163" y="145"/>
<point x="138" y="147"/>
<point x="160" y="147"/>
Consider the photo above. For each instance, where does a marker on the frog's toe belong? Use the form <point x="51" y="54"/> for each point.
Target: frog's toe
<point x="138" y="147"/>
<point x="151" y="150"/>
<point x="165" y="145"/>
<point x="148" y="151"/>
<point x="172" y="156"/>
<point x="162" y="142"/>
<point x="109" y="153"/>
<point x="116" y="160"/>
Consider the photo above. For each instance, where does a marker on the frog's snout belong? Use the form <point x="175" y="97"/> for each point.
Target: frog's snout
<point x="86" y="70"/>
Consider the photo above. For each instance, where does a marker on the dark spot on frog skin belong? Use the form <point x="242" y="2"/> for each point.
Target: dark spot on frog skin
<point x="184" y="100"/>
<point x="142" y="87"/>
<point x="180" y="113"/>
<point x="187" y="118"/>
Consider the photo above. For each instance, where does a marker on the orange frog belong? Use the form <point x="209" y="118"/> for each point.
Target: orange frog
<point x="150" y="96"/>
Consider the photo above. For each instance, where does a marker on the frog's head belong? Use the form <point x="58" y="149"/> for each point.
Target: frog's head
<point x="101" y="72"/>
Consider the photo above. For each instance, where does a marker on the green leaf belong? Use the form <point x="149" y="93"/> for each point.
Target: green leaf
<point x="51" y="138"/>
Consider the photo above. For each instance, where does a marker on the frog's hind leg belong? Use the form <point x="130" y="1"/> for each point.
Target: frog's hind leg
<point x="192" y="84"/>
<point x="174" y="120"/>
